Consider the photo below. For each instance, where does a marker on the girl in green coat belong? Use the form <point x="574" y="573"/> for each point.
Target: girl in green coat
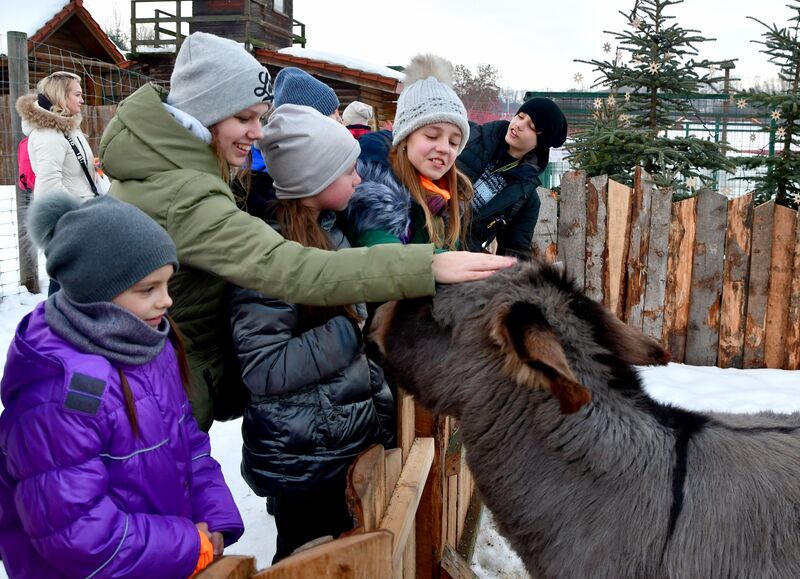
<point x="173" y="159"/>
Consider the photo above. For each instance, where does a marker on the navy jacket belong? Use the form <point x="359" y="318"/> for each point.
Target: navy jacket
<point x="512" y="214"/>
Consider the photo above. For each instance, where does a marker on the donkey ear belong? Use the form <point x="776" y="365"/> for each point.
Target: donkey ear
<point x="534" y="356"/>
<point x="632" y="345"/>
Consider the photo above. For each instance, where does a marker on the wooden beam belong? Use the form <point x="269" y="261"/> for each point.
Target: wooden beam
<point x="229" y="567"/>
<point x="454" y="566"/>
<point x="402" y="508"/>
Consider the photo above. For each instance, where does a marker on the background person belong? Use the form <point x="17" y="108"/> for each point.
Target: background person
<point x="357" y="117"/>
<point x="59" y="152"/>
<point x="504" y="160"/>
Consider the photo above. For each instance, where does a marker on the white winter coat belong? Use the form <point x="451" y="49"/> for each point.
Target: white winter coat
<point x="53" y="161"/>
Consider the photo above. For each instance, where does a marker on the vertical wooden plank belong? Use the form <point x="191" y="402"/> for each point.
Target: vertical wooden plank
<point x="780" y="285"/>
<point x="545" y="233"/>
<point x="393" y="466"/>
<point x="430" y="537"/>
<point x="758" y="290"/>
<point x="407" y="497"/>
<point x="596" y="249"/>
<point x="406" y="422"/>
<point x="463" y="495"/>
<point x="657" y="255"/>
<point x="619" y="223"/>
<point x="735" y="279"/>
<point x="639" y="247"/>
<point x="793" y="323"/>
<point x="408" y="565"/>
<point x="452" y="511"/>
<point x="702" y="335"/>
<point x="571" y="225"/>
<point x="679" y="278"/>
<point x="366" y="488"/>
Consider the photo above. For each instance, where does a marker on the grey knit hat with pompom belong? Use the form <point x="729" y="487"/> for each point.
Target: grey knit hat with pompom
<point x="428" y="98"/>
<point x="99" y="248"/>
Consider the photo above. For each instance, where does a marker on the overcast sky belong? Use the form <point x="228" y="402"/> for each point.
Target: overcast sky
<point x="532" y="43"/>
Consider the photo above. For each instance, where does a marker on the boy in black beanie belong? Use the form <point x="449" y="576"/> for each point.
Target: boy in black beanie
<point x="504" y="160"/>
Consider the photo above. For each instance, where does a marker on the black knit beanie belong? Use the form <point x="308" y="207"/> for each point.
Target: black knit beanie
<point x="98" y="249"/>
<point x="551" y="124"/>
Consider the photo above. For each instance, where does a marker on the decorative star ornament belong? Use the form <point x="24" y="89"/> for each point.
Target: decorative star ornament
<point x="612" y="102"/>
<point x="795" y="197"/>
<point x="578" y="78"/>
<point x="625" y="120"/>
<point x="607" y="47"/>
<point x="775" y="115"/>
<point x="653" y="67"/>
<point x="597" y="104"/>
<point x="627" y="97"/>
<point x="741" y="103"/>
<point x="726" y="191"/>
<point x="691" y="183"/>
<point x="780" y="133"/>
<point x="752" y="137"/>
<point x="636" y="23"/>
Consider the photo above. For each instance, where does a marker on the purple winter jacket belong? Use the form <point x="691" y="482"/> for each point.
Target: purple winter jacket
<point x="80" y="496"/>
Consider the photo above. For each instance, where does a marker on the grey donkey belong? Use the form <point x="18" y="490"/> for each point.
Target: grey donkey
<point x="587" y="476"/>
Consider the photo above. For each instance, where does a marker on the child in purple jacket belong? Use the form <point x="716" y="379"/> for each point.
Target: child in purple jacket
<point x="103" y="470"/>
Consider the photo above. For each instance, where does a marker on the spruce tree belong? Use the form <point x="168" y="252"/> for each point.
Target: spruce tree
<point x="781" y="180"/>
<point x="651" y="80"/>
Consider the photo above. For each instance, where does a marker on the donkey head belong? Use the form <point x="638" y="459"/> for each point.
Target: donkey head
<point x="527" y="325"/>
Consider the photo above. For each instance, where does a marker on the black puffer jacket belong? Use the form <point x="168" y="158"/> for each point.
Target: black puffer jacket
<point x="317" y="401"/>
<point x="512" y="214"/>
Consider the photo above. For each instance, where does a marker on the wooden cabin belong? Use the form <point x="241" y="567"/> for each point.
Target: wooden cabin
<point x="71" y="40"/>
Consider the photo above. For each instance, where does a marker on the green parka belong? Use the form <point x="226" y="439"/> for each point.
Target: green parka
<point x="159" y="166"/>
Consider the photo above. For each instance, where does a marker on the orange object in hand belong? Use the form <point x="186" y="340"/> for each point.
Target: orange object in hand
<point x="206" y="554"/>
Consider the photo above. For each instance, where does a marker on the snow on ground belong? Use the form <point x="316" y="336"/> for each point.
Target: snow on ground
<point x="696" y="388"/>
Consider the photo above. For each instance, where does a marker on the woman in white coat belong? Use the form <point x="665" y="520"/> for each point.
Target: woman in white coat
<point x="59" y="152"/>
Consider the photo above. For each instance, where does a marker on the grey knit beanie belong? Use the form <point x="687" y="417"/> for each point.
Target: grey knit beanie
<point x="428" y="98"/>
<point x="98" y="249"/>
<point x="215" y="78"/>
<point x="357" y="113"/>
<point x="294" y="86"/>
<point x="306" y="151"/>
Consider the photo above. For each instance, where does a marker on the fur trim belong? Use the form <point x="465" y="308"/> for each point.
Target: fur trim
<point x="379" y="202"/>
<point x="38" y="118"/>
<point x="423" y="66"/>
<point x="45" y="212"/>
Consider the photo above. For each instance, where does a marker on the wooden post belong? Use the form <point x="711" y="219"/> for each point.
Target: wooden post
<point x="18" y="80"/>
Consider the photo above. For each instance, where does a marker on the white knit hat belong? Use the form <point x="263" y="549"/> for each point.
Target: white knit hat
<point x="215" y="78"/>
<point x="357" y="113"/>
<point x="428" y="98"/>
<point x="305" y="151"/>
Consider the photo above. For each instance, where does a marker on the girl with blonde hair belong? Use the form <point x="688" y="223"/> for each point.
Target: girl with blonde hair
<point x="411" y="190"/>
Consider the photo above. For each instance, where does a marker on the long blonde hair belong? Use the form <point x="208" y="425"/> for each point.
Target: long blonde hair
<point x="56" y="88"/>
<point x="459" y="208"/>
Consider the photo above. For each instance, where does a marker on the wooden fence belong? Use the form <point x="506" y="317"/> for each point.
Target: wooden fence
<point x="716" y="280"/>
<point x="414" y="506"/>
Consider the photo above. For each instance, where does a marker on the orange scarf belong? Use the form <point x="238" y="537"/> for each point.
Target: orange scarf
<point x="432" y="187"/>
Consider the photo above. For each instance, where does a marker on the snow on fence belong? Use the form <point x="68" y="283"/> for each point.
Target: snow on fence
<point x="717" y="280"/>
<point x="414" y="506"/>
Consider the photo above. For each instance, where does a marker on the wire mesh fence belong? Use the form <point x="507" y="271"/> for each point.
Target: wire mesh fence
<point x="104" y="86"/>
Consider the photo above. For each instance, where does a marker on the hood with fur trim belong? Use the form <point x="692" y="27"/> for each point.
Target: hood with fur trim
<point x="35" y="117"/>
<point x="380" y="202"/>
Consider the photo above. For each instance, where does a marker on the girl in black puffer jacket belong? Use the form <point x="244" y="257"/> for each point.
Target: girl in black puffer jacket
<point x="316" y="400"/>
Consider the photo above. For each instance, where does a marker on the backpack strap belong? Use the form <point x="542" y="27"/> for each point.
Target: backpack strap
<point x="82" y="161"/>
